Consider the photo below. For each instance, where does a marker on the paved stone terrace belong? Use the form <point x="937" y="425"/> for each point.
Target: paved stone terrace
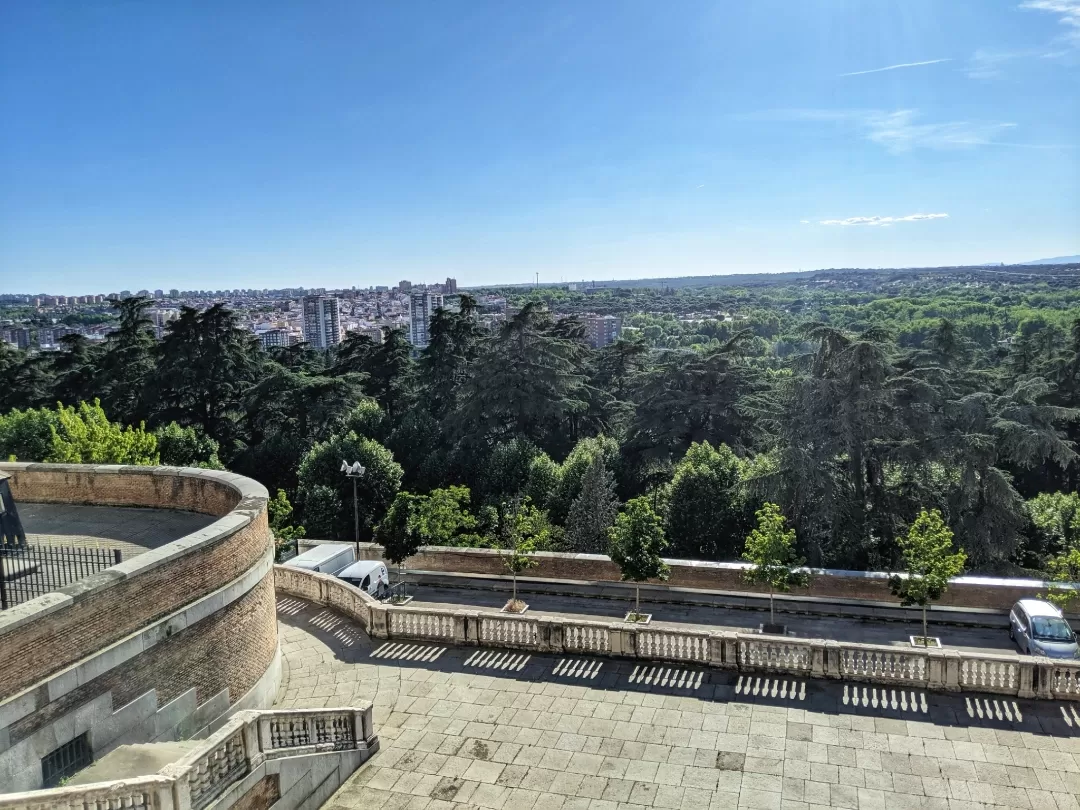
<point x="468" y="727"/>
<point x="131" y="530"/>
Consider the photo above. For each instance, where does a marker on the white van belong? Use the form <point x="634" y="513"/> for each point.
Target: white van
<point x="370" y="576"/>
<point x="325" y="558"/>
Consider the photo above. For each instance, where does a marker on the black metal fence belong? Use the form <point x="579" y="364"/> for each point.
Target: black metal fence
<point x="27" y="572"/>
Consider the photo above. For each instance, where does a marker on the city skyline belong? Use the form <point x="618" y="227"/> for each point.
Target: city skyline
<point x="157" y="147"/>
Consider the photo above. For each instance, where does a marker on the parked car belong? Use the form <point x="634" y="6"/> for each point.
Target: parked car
<point x="325" y="558"/>
<point x="1038" y="628"/>
<point x="370" y="576"/>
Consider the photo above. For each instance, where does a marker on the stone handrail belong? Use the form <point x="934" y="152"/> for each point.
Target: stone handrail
<point x="239" y="747"/>
<point x="937" y="669"/>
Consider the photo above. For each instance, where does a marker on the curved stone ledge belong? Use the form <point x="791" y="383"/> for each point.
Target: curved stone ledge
<point x="54" y="631"/>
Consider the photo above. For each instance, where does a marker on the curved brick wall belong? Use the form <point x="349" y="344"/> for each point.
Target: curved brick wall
<point x="191" y="619"/>
<point x="54" y="631"/>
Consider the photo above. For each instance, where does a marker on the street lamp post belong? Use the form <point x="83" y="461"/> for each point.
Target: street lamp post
<point x="354" y="471"/>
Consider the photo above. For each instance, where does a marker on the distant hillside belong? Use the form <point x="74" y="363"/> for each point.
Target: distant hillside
<point x="1057" y="260"/>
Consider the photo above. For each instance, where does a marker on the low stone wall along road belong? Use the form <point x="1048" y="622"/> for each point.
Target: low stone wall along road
<point x="476" y="727"/>
<point x="703" y="617"/>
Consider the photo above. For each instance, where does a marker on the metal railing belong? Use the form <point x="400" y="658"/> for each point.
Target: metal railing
<point x="27" y="572"/>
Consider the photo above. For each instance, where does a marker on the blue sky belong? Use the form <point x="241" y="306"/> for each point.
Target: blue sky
<point x="268" y="144"/>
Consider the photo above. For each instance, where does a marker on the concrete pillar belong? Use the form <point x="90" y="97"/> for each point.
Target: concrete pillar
<point x="817" y="658"/>
<point x="1026" y="688"/>
<point x="729" y="639"/>
<point x="380" y="625"/>
<point x="181" y="787"/>
<point x="1044" y="686"/>
<point x="622" y="640"/>
<point x="253" y="751"/>
<point x="555" y="637"/>
<point x="716" y="651"/>
<point x="461" y="628"/>
<point x="951" y="680"/>
<point x="834" y="667"/>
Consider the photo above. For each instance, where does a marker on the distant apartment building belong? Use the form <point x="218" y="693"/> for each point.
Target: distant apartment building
<point x="161" y="319"/>
<point x="373" y="332"/>
<point x="17" y="336"/>
<point x="600" y="330"/>
<point x="159" y="293"/>
<point x="272" y="338"/>
<point x="450" y="287"/>
<point x="404" y="286"/>
<point x="422" y="306"/>
<point x="322" y="321"/>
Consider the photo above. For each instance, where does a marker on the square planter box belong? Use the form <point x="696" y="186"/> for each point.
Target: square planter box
<point x="506" y="609"/>
<point x="642" y="618"/>
<point x="772" y="629"/>
<point x="934" y="642"/>
<point x="399" y="602"/>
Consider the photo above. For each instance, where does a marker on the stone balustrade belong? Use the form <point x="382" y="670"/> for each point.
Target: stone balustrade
<point x="239" y="747"/>
<point x="936" y="669"/>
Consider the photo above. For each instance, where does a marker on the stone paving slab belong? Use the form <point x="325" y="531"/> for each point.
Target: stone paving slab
<point x="132" y="530"/>
<point x="469" y="727"/>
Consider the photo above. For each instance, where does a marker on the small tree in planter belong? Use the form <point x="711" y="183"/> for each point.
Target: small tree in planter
<point x="929" y="565"/>
<point x="770" y="548"/>
<point x="636" y="542"/>
<point x="398" y="535"/>
<point x="523" y="529"/>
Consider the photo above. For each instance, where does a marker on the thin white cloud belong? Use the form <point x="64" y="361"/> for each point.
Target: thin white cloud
<point x="895" y="67"/>
<point x="898" y="131"/>
<point x="1068" y="12"/>
<point x="881" y="221"/>
<point x="804" y="221"/>
<point x="901" y="131"/>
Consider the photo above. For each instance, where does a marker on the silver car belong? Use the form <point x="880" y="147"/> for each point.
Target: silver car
<point x="1038" y="628"/>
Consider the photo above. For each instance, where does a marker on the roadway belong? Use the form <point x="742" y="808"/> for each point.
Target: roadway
<point x="868" y="630"/>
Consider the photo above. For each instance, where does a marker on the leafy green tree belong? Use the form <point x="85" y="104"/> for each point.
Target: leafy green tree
<point x="506" y="471"/>
<point x="527" y="383"/>
<point x="929" y="563"/>
<point x="443" y="516"/>
<point x="127" y="362"/>
<point x="454" y="344"/>
<point x="636" y="542"/>
<point x="594" y="510"/>
<point x="27" y="435"/>
<point x="279" y="511"/>
<point x="770" y="549"/>
<point x="1064" y="574"/>
<point x="542" y="481"/>
<point x="572" y="472"/>
<point x="376" y="488"/>
<point x="75" y="370"/>
<point x="391" y="374"/>
<point x="705" y="512"/>
<point x="399" y="530"/>
<point x="522" y="530"/>
<point x="187" y="447"/>
<point x="1056" y="517"/>
<point x="691" y="398"/>
<point x="204" y="366"/>
<point x="86" y="436"/>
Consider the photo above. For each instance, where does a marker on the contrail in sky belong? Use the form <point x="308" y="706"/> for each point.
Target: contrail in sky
<point x="896" y="67"/>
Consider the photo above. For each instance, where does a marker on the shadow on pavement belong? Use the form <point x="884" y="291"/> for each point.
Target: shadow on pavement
<point x="351" y="644"/>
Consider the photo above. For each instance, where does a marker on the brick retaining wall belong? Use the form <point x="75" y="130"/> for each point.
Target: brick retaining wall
<point x="197" y="613"/>
<point x="969" y="591"/>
